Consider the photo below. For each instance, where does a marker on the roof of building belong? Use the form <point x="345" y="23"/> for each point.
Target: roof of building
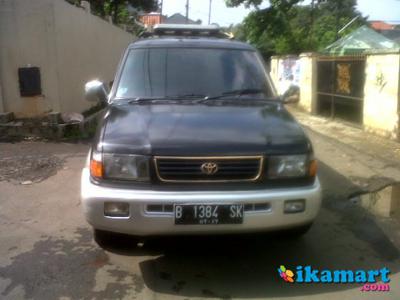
<point x="178" y="19"/>
<point x="360" y="41"/>
<point x="380" y="25"/>
<point x="392" y="34"/>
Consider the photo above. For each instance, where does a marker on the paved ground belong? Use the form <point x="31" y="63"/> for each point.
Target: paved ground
<point x="47" y="250"/>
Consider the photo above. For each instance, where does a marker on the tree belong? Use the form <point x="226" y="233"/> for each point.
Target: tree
<point x="286" y="27"/>
<point x="247" y="3"/>
<point x="118" y="9"/>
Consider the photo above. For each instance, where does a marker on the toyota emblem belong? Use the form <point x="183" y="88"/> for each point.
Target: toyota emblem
<point x="209" y="168"/>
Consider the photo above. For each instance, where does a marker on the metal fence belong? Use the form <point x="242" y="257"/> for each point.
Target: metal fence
<point x="340" y="87"/>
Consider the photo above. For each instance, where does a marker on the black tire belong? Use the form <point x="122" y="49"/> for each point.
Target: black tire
<point x="109" y="240"/>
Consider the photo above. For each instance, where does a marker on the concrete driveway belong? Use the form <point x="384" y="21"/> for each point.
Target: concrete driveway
<point x="47" y="249"/>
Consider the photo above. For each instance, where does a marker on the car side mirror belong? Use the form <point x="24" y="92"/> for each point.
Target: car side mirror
<point x="289" y="99"/>
<point x="96" y="91"/>
<point x="292" y="95"/>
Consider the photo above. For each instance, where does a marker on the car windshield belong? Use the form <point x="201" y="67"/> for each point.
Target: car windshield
<point x="200" y="72"/>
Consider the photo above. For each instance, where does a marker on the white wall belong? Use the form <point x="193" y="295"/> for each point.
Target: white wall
<point x="281" y="66"/>
<point x="274" y="72"/>
<point x="382" y="94"/>
<point x="69" y="45"/>
<point x="90" y="49"/>
<point x="308" y="82"/>
<point x="26" y="38"/>
<point x="305" y="79"/>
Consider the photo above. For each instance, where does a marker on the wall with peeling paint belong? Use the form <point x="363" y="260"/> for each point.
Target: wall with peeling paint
<point x="381" y="102"/>
<point x="67" y="43"/>
<point x="306" y="65"/>
<point x="381" y="94"/>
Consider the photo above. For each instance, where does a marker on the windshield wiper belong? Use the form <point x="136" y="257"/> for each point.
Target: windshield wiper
<point x="188" y="97"/>
<point x="240" y="92"/>
<point x="199" y="98"/>
<point x="144" y="99"/>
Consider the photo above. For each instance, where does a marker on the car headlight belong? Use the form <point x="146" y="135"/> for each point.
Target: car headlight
<point x="288" y="166"/>
<point x="126" y="167"/>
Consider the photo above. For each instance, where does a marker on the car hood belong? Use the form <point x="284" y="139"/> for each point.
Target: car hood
<point x="198" y="129"/>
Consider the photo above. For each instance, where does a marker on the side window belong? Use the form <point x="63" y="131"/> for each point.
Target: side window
<point x="132" y="80"/>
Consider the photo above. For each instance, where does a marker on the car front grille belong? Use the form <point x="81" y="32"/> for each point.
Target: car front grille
<point x="208" y="169"/>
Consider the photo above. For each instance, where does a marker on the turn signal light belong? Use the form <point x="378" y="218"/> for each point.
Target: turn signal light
<point x="96" y="168"/>
<point x="313" y="168"/>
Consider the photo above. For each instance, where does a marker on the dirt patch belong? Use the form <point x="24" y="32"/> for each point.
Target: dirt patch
<point x="29" y="169"/>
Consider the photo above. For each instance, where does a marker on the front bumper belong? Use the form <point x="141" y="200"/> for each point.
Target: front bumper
<point x="144" y="223"/>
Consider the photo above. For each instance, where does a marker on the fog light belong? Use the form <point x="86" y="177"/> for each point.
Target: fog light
<point x="294" y="206"/>
<point x="116" y="209"/>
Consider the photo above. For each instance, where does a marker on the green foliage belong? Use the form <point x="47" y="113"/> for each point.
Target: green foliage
<point x="286" y="27"/>
<point x="118" y="9"/>
<point x="247" y="3"/>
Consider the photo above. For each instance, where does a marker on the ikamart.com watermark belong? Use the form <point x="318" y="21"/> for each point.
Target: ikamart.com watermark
<point x="374" y="280"/>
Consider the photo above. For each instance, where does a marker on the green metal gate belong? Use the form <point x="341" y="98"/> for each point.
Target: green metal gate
<point x="340" y="87"/>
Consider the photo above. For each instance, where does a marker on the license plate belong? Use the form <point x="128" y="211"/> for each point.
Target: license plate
<point x="209" y="214"/>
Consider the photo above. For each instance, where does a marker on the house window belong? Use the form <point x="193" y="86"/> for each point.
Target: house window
<point x="29" y="82"/>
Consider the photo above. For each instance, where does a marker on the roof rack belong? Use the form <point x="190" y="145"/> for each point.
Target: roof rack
<point x="186" y="30"/>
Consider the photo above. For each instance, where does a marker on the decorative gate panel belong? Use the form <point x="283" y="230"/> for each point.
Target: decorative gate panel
<point x="340" y="87"/>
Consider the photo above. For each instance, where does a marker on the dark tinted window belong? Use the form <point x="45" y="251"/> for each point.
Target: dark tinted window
<point x="159" y="72"/>
<point x="133" y="78"/>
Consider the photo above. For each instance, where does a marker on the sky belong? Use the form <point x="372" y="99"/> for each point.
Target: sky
<point x="387" y="10"/>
